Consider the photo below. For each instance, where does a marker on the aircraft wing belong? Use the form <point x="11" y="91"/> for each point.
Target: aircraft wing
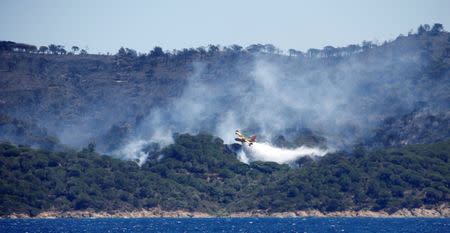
<point x="239" y="134"/>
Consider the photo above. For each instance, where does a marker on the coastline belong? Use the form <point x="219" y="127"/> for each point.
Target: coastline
<point x="440" y="212"/>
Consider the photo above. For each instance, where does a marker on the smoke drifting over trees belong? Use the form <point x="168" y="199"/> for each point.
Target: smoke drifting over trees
<point x="330" y="98"/>
<point x="343" y="99"/>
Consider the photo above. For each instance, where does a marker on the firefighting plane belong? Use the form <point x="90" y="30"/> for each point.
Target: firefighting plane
<point x="241" y="138"/>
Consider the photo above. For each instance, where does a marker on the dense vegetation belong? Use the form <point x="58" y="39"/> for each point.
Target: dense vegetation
<point x="201" y="173"/>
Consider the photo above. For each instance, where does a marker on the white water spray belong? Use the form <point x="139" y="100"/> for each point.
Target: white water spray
<point x="268" y="152"/>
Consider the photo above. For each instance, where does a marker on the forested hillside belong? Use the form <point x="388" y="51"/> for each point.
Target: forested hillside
<point x="199" y="173"/>
<point x="134" y="131"/>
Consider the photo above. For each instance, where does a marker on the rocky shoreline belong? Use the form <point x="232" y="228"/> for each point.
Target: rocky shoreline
<point x="440" y="212"/>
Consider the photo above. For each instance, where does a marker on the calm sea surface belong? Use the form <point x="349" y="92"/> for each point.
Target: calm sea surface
<point x="441" y="225"/>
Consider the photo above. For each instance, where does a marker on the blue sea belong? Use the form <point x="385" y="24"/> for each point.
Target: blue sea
<point x="390" y="225"/>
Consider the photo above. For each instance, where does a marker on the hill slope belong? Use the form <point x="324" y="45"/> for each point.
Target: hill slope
<point x="198" y="173"/>
<point x="345" y="95"/>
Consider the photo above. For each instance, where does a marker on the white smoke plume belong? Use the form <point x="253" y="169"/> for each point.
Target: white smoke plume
<point x="134" y="151"/>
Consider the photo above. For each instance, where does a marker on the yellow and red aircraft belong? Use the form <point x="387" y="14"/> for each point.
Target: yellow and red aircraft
<point x="241" y="138"/>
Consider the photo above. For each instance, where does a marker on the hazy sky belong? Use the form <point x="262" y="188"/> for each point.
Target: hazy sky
<point x="106" y="25"/>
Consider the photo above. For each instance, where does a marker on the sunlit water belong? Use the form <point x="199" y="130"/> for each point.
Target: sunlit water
<point x="228" y="225"/>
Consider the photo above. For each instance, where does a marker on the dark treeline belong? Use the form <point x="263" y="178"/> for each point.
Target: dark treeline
<point x="9" y="46"/>
<point x="202" y="52"/>
<point x="199" y="173"/>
